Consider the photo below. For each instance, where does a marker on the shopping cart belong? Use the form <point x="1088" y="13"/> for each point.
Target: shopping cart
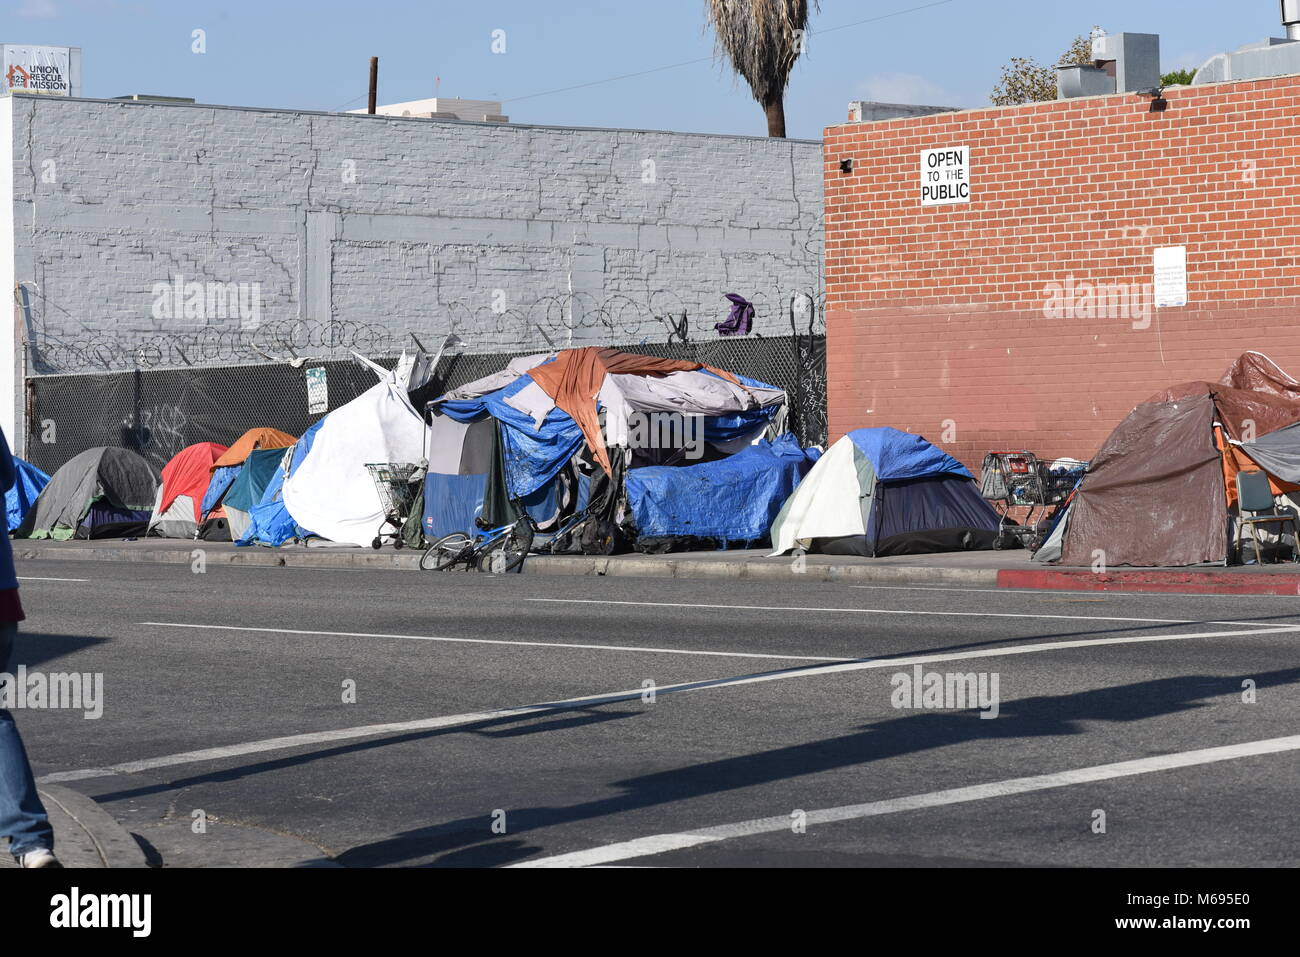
<point x="1022" y="480"/>
<point x="396" y="483"/>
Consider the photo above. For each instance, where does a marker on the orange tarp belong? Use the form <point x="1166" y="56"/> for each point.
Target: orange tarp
<point x="254" y="439"/>
<point x="574" y="380"/>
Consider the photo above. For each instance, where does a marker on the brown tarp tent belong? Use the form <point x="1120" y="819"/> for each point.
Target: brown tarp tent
<point x="1159" y="491"/>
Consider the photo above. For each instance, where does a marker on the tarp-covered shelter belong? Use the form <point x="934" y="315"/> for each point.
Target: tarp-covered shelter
<point x="246" y="490"/>
<point x="185" y="481"/>
<point x="227" y="468"/>
<point x="732" y="500"/>
<point x="1162" y="491"/>
<point x="541" y="430"/>
<point x="269" y="520"/>
<point x="331" y="492"/>
<point x="28" y="483"/>
<point x="100" y="493"/>
<point x="881" y="492"/>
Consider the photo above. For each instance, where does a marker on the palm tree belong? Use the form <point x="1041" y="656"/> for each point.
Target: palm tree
<point x="762" y="38"/>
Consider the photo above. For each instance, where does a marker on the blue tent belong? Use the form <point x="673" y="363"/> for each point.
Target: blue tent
<point x="271" y="522"/>
<point x="28" y="482"/>
<point x="885" y="492"/>
<point x="731" y="500"/>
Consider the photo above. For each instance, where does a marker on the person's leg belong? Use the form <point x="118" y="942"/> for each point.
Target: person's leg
<point x="22" y="816"/>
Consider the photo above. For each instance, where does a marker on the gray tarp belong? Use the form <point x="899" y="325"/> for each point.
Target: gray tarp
<point x="1278" y="453"/>
<point x="120" y="476"/>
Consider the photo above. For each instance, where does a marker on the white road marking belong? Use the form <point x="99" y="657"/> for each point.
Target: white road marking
<point x="659" y="843"/>
<point x="29" y="578"/>
<point x="1083" y="593"/>
<point x="503" y="641"/>
<point x="898" y="611"/>
<point x="570" y="704"/>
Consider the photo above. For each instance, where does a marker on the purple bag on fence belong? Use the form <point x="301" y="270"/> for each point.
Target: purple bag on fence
<point x="741" y="319"/>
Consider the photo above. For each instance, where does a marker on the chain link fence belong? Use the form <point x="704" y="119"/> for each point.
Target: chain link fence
<point x="191" y="389"/>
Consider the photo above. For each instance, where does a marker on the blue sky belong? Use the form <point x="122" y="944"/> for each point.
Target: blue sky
<point x="313" y="54"/>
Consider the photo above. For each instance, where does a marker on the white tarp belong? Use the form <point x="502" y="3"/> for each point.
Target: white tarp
<point x="826" y="504"/>
<point x="331" y="492"/>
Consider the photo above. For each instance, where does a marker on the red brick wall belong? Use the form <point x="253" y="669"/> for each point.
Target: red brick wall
<point x="937" y="317"/>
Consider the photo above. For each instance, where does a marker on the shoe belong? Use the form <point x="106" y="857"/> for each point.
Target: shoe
<point x="41" y="857"/>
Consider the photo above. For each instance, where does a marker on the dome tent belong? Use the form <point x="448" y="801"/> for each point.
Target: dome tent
<point x="185" y="480"/>
<point x="101" y="493"/>
<point x="884" y="492"/>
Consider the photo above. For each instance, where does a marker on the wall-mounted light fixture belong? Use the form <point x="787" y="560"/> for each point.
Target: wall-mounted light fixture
<point x="846" y="166"/>
<point x="1158" y="102"/>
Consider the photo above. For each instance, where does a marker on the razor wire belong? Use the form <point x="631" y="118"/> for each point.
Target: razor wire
<point x="166" y="392"/>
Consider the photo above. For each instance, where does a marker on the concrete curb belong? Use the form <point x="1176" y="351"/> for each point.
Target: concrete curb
<point x="564" y="565"/>
<point x="90" y="836"/>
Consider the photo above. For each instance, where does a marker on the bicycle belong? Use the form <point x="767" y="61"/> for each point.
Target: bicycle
<point x="480" y="551"/>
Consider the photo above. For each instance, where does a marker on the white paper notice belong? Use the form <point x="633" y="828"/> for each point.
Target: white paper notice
<point x="1170" y="276"/>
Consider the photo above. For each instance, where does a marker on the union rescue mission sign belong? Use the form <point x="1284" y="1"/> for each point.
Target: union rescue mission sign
<point x="36" y="69"/>
<point x="945" y="176"/>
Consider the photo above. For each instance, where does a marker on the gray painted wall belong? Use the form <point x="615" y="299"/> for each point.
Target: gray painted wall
<point x="508" y="235"/>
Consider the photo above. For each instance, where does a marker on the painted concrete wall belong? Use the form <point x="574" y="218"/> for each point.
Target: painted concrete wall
<point x="511" y="236"/>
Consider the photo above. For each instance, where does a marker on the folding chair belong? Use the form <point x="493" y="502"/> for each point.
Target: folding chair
<point x="1256" y="497"/>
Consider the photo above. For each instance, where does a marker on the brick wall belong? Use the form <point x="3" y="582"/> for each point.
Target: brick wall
<point x="981" y="325"/>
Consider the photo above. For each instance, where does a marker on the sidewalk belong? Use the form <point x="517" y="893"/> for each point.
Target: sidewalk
<point x="85" y="835"/>
<point x="986" y="569"/>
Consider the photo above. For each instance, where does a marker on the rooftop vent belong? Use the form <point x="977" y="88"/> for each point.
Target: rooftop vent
<point x="1272" y="56"/>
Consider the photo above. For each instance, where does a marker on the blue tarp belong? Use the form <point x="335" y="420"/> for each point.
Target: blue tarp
<point x="247" y="488"/>
<point x="533" y="456"/>
<point x="900" y="455"/>
<point x="732" y="500"/>
<point x="271" y="522"/>
<point x="222" y="479"/>
<point x="451" y="503"/>
<point x="28" y="482"/>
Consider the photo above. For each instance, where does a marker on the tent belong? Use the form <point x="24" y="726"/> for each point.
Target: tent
<point x="184" y="482"/>
<point x="553" y="428"/>
<point x="269" y="520"/>
<point x="732" y="500"/>
<point x="331" y="491"/>
<point x="100" y="493"/>
<point x="227" y="468"/>
<point x="1162" y="489"/>
<point x="884" y="492"/>
<point x="246" y="490"/>
<point x="28" y="482"/>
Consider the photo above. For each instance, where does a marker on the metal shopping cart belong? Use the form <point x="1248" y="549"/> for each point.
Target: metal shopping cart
<point x="396" y="483"/>
<point x="1022" y="480"/>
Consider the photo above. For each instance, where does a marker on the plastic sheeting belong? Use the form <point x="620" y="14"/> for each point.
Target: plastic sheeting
<point x="221" y="481"/>
<point x="28" y="483"/>
<point x="269" y="520"/>
<point x="1154" y="493"/>
<point x="732" y="500"/>
<point x="331" y="492"/>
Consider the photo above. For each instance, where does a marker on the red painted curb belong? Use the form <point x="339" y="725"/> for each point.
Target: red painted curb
<point x="1205" y="583"/>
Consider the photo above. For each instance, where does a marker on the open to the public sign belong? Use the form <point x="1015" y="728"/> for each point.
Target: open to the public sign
<point x="945" y="176"/>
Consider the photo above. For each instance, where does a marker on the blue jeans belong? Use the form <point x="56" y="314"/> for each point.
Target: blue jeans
<point x="22" y="816"/>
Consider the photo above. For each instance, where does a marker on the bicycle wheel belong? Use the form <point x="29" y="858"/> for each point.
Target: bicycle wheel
<point x="508" y="551"/>
<point x="446" y="552"/>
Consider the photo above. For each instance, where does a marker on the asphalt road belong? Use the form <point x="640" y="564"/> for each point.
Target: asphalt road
<point x="718" y="722"/>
